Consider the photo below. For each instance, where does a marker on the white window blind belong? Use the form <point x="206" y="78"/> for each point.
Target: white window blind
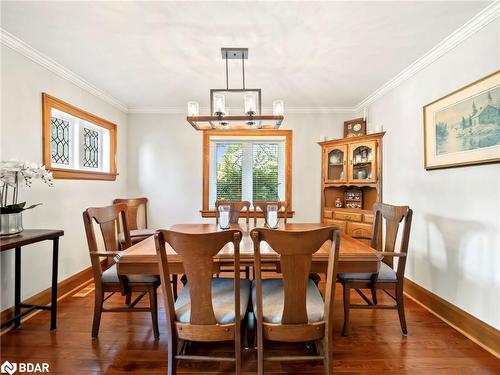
<point x="247" y="168"/>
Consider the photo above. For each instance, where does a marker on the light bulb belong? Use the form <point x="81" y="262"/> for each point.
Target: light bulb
<point x="278" y="108"/>
<point x="193" y="109"/>
<point x="250" y="104"/>
<point x="219" y="104"/>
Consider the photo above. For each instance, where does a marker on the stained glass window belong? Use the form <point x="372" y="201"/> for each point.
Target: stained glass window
<point x="90" y="148"/>
<point x="59" y="138"/>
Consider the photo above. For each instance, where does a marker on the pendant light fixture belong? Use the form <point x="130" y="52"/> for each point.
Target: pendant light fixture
<point x="250" y="101"/>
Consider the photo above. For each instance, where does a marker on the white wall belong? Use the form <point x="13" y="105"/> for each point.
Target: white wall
<point x="455" y="238"/>
<point x="21" y="126"/>
<point x="165" y="164"/>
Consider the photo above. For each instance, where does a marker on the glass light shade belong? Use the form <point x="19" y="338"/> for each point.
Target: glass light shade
<point x="278" y="108"/>
<point x="219" y="105"/>
<point x="193" y="109"/>
<point x="250" y="104"/>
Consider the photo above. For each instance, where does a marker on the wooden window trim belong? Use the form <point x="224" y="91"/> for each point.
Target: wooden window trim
<point x="205" y="212"/>
<point x="49" y="102"/>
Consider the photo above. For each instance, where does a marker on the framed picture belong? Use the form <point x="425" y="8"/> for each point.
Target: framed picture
<point x="463" y="128"/>
<point x="354" y="128"/>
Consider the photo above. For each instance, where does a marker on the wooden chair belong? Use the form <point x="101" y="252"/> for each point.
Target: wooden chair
<point x="138" y="234"/>
<point x="292" y="309"/>
<point x="134" y="206"/>
<point x="386" y="278"/>
<point x="262" y="206"/>
<point x="235" y="209"/>
<point x="208" y="309"/>
<point x="109" y="281"/>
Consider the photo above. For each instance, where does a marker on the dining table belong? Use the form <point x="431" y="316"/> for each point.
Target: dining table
<point x="142" y="259"/>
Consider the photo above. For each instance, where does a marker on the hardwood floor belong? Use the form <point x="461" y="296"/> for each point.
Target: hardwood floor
<point x="125" y="344"/>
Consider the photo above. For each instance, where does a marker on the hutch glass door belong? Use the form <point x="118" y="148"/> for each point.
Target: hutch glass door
<point x="335" y="164"/>
<point x="362" y="162"/>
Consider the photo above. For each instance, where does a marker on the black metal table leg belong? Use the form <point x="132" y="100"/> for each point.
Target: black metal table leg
<point x="53" y="299"/>
<point x="17" y="287"/>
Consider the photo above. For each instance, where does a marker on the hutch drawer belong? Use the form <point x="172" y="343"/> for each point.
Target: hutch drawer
<point x="347" y="215"/>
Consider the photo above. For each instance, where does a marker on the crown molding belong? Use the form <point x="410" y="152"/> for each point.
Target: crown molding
<point x="289" y="110"/>
<point x="36" y="56"/>
<point x="480" y="20"/>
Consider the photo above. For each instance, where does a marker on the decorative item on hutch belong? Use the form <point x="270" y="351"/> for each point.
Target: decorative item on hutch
<point x="12" y="174"/>
<point x="220" y="99"/>
<point x="354" y="198"/>
<point x="355" y="127"/>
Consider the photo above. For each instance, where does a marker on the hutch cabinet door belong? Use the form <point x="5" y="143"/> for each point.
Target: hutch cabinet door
<point x="335" y="163"/>
<point x="363" y="162"/>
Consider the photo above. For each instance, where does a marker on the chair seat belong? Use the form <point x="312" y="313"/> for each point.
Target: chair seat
<point x="141" y="233"/>
<point x="222" y="301"/>
<point x="111" y="276"/>
<point x="385" y="273"/>
<point x="273" y="301"/>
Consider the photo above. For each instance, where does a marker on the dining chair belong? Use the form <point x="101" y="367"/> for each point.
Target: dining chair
<point x="291" y="308"/>
<point x="387" y="277"/>
<point x="137" y="218"/>
<point x="235" y="210"/>
<point x="208" y="309"/>
<point x="109" y="280"/>
<point x="259" y="206"/>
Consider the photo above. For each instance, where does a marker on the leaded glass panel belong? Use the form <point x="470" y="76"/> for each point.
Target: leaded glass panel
<point x="90" y="148"/>
<point x="59" y="140"/>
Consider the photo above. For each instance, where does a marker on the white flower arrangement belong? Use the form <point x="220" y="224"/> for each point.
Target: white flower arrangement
<point x="12" y="173"/>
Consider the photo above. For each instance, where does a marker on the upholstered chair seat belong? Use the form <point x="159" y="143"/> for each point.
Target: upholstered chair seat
<point x="273" y="301"/>
<point x="385" y="273"/>
<point x="222" y="301"/>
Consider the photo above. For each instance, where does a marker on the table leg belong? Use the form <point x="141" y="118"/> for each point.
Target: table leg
<point x="53" y="299"/>
<point x="17" y="286"/>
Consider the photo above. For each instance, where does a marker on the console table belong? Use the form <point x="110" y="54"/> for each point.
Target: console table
<point x="27" y="237"/>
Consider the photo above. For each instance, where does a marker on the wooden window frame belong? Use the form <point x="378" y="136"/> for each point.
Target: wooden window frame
<point x="287" y="134"/>
<point x="49" y="102"/>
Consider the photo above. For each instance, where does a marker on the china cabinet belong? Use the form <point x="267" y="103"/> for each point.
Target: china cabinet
<point x="351" y="175"/>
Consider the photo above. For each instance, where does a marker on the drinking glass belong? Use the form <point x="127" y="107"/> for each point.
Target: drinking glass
<point x="224" y="216"/>
<point x="272" y="216"/>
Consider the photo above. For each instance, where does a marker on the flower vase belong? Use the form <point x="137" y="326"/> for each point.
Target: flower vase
<point x="11" y="224"/>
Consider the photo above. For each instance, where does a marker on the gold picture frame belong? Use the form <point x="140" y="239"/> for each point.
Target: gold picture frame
<point x="463" y="127"/>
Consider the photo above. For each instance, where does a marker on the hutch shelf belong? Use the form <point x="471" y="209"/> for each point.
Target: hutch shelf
<point x="352" y="177"/>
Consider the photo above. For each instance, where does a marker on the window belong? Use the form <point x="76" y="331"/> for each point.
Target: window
<point x="246" y="165"/>
<point x="76" y="144"/>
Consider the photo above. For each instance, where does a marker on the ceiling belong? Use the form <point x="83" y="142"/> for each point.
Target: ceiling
<point x="163" y="54"/>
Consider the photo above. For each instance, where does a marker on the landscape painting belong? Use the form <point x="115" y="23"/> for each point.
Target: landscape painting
<point x="464" y="127"/>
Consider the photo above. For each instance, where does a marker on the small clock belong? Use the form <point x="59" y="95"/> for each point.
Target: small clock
<point x="355" y="127"/>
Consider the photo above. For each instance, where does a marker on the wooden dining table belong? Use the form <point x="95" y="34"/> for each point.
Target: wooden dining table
<point x="141" y="258"/>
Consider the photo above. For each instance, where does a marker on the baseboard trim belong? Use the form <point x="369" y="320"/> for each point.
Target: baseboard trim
<point x="476" y="330"/>
<point x="64" y="288"/>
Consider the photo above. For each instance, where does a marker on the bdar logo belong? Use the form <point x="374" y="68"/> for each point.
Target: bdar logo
<point x="9" y="368"/>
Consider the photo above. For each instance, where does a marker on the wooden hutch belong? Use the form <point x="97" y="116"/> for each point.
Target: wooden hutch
<point x="351" y="177"/>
